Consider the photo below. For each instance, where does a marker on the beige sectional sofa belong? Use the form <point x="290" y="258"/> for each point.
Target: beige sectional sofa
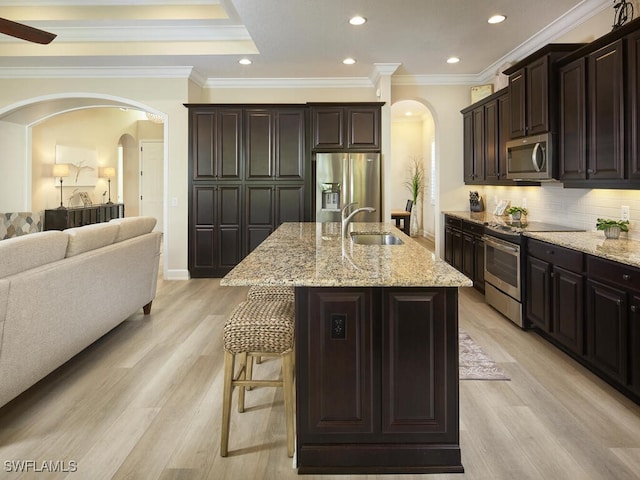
<point x="62" y="290"/>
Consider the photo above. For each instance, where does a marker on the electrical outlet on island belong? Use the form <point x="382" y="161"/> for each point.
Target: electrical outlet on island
<point x="624" y="212"/>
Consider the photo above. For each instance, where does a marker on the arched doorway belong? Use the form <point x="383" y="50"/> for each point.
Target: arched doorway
<point x="413" y="137"/>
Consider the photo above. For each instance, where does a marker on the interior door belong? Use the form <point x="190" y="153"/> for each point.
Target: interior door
<point x="152" y="181"/>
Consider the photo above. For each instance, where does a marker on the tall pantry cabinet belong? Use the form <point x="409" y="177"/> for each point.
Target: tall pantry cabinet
<point x="246" y="177"/>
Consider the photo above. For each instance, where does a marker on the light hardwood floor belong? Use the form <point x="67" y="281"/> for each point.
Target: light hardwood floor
<point x="144" y="402"/>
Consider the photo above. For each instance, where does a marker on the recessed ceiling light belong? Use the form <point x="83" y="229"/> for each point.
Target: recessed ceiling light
<point x="348" y="61"/>
<point x="453" y="60"/>
<point x="357" y="20"/>
<point x="408" y="114"/>
<point x="244" y="61"/>
<point x="497" y="19"/>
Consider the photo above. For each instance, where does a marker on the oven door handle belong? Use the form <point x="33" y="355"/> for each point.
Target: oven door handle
<point x="500" y="244"/>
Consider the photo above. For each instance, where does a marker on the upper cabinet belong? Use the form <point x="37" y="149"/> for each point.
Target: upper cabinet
<point x="215" y="143"/>
<point x="533" y="91"/>
<point x="274" y="143"/>
<point x="338" y="127"/>
<point x="486" y="129"/>
<point x="599" y="107"/>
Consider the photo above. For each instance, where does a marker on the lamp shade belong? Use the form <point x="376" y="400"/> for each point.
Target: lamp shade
<point x="107" y="172"/>
<point x="60" y="169"/>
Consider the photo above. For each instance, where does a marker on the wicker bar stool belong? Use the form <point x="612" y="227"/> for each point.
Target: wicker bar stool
<point x="259" y="292"/>
<point x="257" y="328"/>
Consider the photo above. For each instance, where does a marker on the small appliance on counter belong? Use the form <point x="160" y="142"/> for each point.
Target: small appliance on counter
<point x="476" y="204"/>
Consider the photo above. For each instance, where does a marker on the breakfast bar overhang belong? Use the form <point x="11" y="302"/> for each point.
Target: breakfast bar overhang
<point x="376" y="348"/>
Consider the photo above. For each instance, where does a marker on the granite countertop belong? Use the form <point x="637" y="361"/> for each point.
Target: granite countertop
<point x="621" y="250"/>
<point x="314" y="255"/>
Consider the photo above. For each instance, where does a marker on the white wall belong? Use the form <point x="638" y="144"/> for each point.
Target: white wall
<point x="15" y="195"/>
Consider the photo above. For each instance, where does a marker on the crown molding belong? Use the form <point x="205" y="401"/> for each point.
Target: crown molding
<point x="335" y="82"/>
<point x="96" y="72"/>
<point x="94" y="3"/>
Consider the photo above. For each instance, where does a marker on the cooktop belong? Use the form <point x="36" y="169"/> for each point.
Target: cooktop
<point x="519" y="227"/>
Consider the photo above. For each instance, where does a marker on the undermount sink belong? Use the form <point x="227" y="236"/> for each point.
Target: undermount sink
<point x="375" y="239"/>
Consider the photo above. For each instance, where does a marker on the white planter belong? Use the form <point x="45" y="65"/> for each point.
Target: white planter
<point x="612" y="232"/>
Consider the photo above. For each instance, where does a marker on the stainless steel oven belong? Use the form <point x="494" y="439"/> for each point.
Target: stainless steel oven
<point x="503" y="277"/>
<point x="505" y="266"/>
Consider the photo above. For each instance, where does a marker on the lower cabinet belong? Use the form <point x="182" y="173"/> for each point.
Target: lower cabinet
<point x="555" y="293"/>
<point x="464" y="248"/>
<point x="590" y="306"/>
<point x="377" y="382"/>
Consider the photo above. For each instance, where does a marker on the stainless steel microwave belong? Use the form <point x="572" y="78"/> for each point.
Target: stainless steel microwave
<point x="530" y="158"/>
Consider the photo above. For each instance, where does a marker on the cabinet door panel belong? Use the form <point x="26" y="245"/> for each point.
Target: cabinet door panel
<point x="364" y="128"/>
<point x="468" y="131"/>
<point x="204" y="126"/>
<point x="634" y="345"/>
<point x="228" y="150"/>
<point x="538" y="293"/>
<point x="568" y="317"/>
<point x="415" y="336"/>
<point x="259" y="215"/>
<point x="607" y="330"/>
<point x="537" y="97"/>
<point x="338" y="338"/>
<point x="606" y="117"/>
<point x="504" y="134"/>
<point x="478" y="278"/>
<point x="259" y="150"/>
<point x="229" y="213"/>
<point x="289" y="139"/>
<point x="491" y="166"/>
<point x="468" y="255"/>
<point x="328" y="128"/>
<point x="518" y="103"/>
<point x="289" y="204"/>
<point x="573" y="142"/>
<point x="633" y="92"/>
<point x="478" y="144"/>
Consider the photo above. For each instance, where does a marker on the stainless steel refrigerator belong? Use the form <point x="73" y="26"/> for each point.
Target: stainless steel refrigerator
<point x="343" y="178"/>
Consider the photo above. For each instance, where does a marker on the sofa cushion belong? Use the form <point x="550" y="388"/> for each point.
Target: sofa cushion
<point x="133" y="227"/>
<point x="89" y="237"/>
<point x="30" y="251"/>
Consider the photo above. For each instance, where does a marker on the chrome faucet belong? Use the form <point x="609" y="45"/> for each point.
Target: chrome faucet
<point x="347" y="220"/>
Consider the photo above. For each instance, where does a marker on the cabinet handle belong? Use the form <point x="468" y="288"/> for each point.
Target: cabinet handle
<point x="634" y="309"/>
<point x="590" y="170"/>
<point x="550" y="252"/>
<point x="553" y="275"/>
<point x="619" y="302"/>
<point x="626" y="277"/>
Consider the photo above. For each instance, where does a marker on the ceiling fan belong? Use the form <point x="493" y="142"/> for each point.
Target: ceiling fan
<point x="25" y="32"/>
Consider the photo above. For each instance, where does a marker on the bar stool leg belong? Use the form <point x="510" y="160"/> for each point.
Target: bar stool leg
<point x="242" y="375"/>
<point x="229" y="361"/>
<point x="287" y="384"/>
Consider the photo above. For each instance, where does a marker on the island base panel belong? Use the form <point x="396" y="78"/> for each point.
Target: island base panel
<point x="379" y="458"/>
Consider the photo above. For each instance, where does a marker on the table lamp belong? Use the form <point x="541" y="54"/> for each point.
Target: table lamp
<point x="108" y="173"/>
<point x="61" y="170"/>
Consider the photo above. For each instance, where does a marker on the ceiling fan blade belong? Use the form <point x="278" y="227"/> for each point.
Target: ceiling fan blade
<point x="25" y="32"/>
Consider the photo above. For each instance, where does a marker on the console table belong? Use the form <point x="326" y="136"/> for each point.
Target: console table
<point x="59" y="219"/>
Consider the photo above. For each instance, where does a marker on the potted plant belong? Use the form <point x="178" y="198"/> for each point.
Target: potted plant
<point x="415" y="185"/>
<point x="612" y="228"/>
<point x="517" y="212"/>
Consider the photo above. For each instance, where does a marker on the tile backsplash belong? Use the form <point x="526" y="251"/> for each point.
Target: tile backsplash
<point x="575" y="207"/>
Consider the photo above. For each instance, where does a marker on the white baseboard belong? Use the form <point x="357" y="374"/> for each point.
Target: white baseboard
<point x="177" y="275"/>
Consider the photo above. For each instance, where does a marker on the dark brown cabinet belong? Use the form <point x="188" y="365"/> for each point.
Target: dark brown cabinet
<point x="529" y="93"/>
<point x="605" y="118"/>
<point x="274" y="144"/>
<point x="555" y="293"/>
<point x="215" y="143"/>
<point x="247" y="175"/>
<point x="453" y="242"/>
<point x="485" y="134"/>
<point x="345" y="127"/>
<point x="573" y="121"/>
<point x="533" y="91"/>
<point x="61" y="219"/>
<point x="633" y="104"/>
<point x="600" y="103"/>
<point x="464" y="248"/>
<point x="372" y="377"/>
<point x="215" y="237"/>
<point x="613" y="303"/>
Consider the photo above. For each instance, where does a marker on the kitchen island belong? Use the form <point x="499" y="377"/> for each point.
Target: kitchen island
<point x="376" y="348"/>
